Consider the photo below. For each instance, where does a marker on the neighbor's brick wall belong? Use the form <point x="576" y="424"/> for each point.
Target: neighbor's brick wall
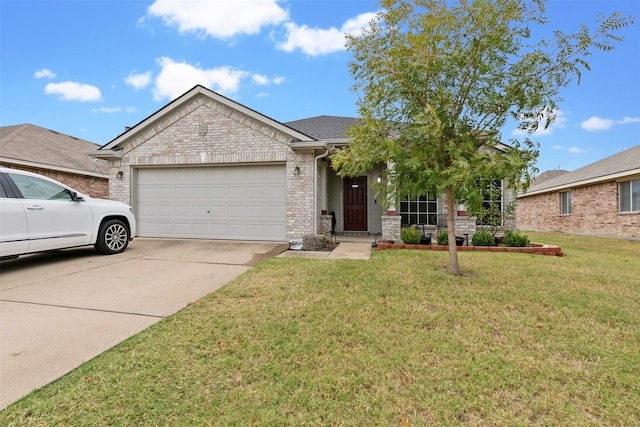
<point x="91" y="185"/>
<point x="594" y="211"/>
<point x="205" y="132"/>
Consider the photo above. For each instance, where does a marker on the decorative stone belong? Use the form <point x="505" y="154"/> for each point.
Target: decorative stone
<point x="314" y="242"/>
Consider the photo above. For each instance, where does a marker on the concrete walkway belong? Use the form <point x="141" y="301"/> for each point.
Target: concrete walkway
<point x="349" y="247"/>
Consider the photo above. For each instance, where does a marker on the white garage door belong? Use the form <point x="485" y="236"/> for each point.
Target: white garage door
<point x="231" y="202"/>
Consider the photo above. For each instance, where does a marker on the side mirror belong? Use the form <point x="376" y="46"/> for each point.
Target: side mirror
<point x="76" y="197"/>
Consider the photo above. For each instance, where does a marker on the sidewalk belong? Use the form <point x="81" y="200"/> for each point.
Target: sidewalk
<point x="349" y="247"/>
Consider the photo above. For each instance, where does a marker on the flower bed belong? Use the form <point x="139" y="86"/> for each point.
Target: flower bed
<point x="533" y="248"/>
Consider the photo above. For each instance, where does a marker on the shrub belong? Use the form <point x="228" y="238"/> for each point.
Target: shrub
<point x="410" y="235"/>
<point x="483" y="238"/>
<point x="514" y="238"/>
<point x="443" y="238"/>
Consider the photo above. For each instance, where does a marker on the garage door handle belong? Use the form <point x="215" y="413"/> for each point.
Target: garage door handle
<point x="35" y="208"/>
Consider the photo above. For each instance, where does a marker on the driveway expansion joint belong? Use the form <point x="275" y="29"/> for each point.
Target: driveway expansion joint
<point x="100" y="310"/>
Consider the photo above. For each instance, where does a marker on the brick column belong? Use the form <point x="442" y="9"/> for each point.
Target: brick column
<point x="391" y="226"/>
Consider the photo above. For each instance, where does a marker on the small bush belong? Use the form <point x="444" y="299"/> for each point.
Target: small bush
<point x="515" y="239"/>
<point x="483" y="238"/>
<point x="443" y="238"/>
<point x="410" y="236"/>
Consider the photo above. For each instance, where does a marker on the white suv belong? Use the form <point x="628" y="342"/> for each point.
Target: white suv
<point x="40" y="214"/>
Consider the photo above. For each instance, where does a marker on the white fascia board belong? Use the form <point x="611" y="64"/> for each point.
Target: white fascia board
<point x="52" y="167"/>
<point x="319" y="144"/>
<point x="583" y="183"/>
<point x="105" y="154"/>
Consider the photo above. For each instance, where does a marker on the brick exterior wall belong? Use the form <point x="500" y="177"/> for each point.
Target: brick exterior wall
<point x="91" y="185"/>
<point x="204" y="132"/>
<point x="594" y="211"/>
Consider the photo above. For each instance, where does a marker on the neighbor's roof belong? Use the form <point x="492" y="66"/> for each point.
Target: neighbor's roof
<point x="625" y="163"/>
<point x="547" y="175"/>
<point x="33" y="146"/>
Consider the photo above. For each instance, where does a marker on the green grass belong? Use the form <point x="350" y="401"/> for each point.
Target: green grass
<point x="520" y="340"/>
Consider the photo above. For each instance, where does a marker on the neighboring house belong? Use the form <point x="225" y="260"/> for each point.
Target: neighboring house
<point x="204" y="166"/>
<point x="56" y="155"/>
<point x="602" y="198"/>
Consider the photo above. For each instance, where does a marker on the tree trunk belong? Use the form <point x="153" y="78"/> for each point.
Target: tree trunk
<point x="451" y="231"/>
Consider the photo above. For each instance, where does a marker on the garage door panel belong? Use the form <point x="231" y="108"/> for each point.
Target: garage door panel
<point x="255" y="211"/>
<point x="274" y="212"/>
<point x="239" y="202"/>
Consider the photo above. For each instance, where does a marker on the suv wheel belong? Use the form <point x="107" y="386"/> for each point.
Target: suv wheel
<point x="113" y="237"/>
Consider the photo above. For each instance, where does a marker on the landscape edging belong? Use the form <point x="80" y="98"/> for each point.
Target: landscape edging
<point x="533" y="248"/>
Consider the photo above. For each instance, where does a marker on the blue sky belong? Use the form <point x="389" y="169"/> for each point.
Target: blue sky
<point x="89" y="68"/>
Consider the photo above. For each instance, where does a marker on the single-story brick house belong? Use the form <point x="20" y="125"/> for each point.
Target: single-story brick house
<point x="602" y="198"/>
<point x="204" y="166"/>
<point x="56" y="155"/>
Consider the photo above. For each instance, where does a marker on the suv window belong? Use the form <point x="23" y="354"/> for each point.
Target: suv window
<point x="36" y="188"/>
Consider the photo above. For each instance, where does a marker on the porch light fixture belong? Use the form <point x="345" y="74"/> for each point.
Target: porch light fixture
<point x="119" y="174"/>
<point x="379" y="179"/>
<point x="296" y="171"/>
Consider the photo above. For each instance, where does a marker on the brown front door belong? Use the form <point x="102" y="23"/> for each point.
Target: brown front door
<point x="355" y="204"/>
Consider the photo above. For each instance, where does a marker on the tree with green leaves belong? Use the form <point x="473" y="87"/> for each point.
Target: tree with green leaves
<point x="438" y="79"/>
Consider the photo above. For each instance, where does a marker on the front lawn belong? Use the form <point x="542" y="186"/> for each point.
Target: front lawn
<point x="521" y="340"/>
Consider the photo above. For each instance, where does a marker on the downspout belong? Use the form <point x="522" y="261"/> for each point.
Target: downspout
<point x="315" y="188"/>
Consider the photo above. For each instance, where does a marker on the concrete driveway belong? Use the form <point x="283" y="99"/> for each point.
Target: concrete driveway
<point x="60" y="309"/>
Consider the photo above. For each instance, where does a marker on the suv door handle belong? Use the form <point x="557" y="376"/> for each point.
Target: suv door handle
<point x="35" y="208"/>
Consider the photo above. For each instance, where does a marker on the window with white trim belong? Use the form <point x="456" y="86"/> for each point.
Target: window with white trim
<point x="630" y="196"/>
<point x="565" y="203"/>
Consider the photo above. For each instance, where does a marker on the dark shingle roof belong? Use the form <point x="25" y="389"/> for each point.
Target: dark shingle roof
<point x="619" y="165"/>
<point x="323" y="127"/>
<point x="30" y="144"/>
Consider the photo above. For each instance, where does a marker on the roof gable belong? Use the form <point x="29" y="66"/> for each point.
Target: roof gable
<point x="31" y="145"/>
<point x="622" y="164"/>
<point x="184" y="99"/>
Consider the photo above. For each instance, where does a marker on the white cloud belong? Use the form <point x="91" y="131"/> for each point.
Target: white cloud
<point x="558" y="147"/>
<point x="259" y="79"/>
<point x="576" y="150"/>
<point x="73" y="91"/>
<point x="176" y="78"/>
<point x="629" y="120"/>
<point x="262" y="80"/>
<point x="44" y="73"/>
<point x="596" y="123"/>
<point x="318" y="41"/>
<point x="138" y="81"/>
<point x="220" y="19"/>
<point x="108" y="110"/>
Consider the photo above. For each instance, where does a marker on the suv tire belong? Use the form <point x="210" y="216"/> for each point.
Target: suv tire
<point x="113" y="237"/>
